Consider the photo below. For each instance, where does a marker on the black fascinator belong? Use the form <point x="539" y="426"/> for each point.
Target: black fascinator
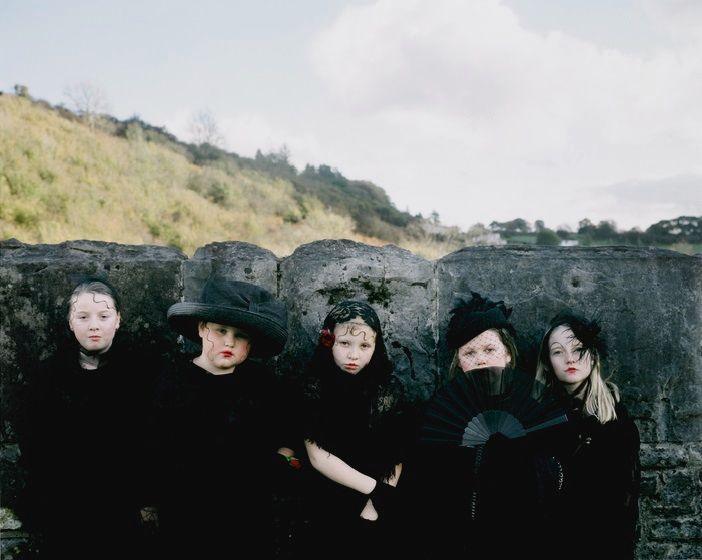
<point x="471" y="317"/>
<point x="588" y="332"/>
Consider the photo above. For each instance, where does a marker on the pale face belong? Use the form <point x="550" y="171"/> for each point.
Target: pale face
<point x="223" y="347"/>
<point x="570" y="366"/>
<point x="485" y="350"/>
<point x="354" y="344"/>
<point x="94" y="321"/>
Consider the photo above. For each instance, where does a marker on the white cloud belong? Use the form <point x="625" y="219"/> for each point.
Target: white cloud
<point x="681" y="19"/>
<point x="454" y="105"/>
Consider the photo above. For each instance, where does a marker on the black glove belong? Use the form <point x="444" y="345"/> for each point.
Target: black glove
<point x="383" y="497"/>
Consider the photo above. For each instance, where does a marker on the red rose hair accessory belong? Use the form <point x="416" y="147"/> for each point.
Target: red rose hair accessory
<point x="326" y="338"/>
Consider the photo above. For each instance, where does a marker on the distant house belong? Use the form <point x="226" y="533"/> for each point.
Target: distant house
<point x="489" y="238"/>
<point x="569" y="243"/>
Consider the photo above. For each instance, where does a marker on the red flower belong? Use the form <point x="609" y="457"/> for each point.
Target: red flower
<point x="326" y="338"/>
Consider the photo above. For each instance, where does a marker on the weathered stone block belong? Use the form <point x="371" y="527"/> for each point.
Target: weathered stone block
<point x="680" y="493"/>
<point x="18" y="545"/>
<point x="8" y="520"/>
<point x="647" y="301"/>
<point x="35" y="282"/>
<point x="399" y="286"/>
<point x="650" y="484"/>
<point x="677" y="529"/>
<point x="694" y="451"/>
<point x="234" y="260"/>
<point x="663" y="456"/>
<point x="669" y="551"/>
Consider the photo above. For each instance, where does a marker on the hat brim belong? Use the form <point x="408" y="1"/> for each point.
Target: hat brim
<point x="268" y="335"/>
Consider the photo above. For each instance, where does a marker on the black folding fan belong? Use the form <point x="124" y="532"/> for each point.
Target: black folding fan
<point x="476" y="405"/>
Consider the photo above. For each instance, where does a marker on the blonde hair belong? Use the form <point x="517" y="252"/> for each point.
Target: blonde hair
<point x="600" y="396"/>
<point x="506" y="339"/>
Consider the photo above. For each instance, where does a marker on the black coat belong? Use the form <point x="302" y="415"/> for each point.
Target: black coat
<point x="480" y="502"/>
<point x="598" y="508"/>
<point x="214" y="440"/>
<point x="82" y="447"/>
<point x="486" y="502"/>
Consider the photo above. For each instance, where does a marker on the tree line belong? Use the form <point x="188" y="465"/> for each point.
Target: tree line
<point x="684" y="229"/>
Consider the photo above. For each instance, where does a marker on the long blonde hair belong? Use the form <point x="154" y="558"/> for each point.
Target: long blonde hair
<point x="600" y="395"/>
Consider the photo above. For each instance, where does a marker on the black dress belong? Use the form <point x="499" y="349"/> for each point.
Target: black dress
<point x="598" y="508"/>
<point x="83" y="451"/>
<point x="486" y="502"/>
<point x="213" y="448"/>
<point x="366" y="427"/>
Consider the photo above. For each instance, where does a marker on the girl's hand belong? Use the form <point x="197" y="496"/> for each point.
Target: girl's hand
<point x="369" y="512"/>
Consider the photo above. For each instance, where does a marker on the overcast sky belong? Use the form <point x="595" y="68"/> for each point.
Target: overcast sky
<point x="480" y="110"/>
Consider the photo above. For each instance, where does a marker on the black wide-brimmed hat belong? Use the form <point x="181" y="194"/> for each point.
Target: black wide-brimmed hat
<point x="236" y="304"/>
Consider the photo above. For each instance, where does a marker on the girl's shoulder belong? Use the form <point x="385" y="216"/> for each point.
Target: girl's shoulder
<point x="624" y="421"/>
<point x="176" y="382"/>
<point x="620" y="434"/>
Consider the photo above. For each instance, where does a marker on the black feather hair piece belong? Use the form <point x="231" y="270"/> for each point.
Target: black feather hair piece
<point x="588" y="332"/>
<point x="470" y="317"/>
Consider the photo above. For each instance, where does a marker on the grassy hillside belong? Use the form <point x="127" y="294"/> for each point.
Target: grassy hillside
<point x="127" y="181"/>
<point x="60" y="179"/>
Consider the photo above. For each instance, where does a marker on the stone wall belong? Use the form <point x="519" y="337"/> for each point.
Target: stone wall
<point x="650" y="302"/>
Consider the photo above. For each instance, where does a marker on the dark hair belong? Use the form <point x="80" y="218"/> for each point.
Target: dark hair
<point x="93" y="285"/>
<point x="379" y="368"/>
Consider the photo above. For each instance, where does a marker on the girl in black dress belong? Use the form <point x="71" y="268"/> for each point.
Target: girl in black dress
<point x="353" y="436"/>
<point x="82" y="449"/>
<point x="218" y="423"/>
<point x="597" y="511"/>
<point x="481" y="498"/>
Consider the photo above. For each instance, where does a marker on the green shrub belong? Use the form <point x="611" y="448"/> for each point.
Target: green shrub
<point x="218" y="192"/>
<point x="47" y="176"/>
<point x="547" y="237"/>
<point x="25" y="218"/>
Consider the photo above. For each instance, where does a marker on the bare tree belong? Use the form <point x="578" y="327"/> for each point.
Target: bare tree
<point x="204" y="129"/>
<point x="87" y="100"/>
<point x="21" y="90"/>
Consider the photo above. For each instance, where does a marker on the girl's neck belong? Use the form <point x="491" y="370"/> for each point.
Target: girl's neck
<point x="89" y="361"/>
<point x="93" y="360"/>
